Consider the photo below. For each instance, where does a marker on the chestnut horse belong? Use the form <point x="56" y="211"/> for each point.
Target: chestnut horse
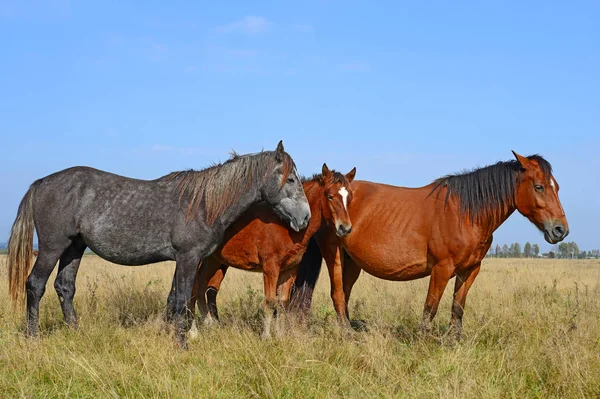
<point x="443" y="230"/>
<point x="259" y="241"/>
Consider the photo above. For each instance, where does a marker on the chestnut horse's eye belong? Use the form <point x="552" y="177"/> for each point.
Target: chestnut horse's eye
<point x="539" y="188"/>
<point x="329" y="197"/>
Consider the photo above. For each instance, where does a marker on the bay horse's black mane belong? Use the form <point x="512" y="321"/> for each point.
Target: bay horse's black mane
<point x="486" y="191"/>
<point x="222" y="184"/>
<point x="336" y="177"/>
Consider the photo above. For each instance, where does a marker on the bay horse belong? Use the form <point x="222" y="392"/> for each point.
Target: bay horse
<point x="181" y="216"/>
<point x="258" y="241"/>
<point x="443" y="230"/>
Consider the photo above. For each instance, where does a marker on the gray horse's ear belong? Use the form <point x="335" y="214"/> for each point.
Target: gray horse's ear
<point x="279" y="151"/>
<point x="350" y="175"/>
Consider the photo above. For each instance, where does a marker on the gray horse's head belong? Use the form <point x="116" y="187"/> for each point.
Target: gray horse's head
<point x="282" y="189"/>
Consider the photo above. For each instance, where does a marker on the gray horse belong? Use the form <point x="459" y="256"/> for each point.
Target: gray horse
<point x="181" y="216"/>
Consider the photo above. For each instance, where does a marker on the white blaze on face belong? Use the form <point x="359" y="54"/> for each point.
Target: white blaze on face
<point x="344" y="193"/>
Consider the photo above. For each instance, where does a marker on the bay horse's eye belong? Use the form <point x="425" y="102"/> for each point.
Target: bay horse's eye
<point x="539" y="188"/>
<point x="329" y="197"/>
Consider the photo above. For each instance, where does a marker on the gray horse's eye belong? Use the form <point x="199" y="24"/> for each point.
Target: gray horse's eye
<point x="290" y="180"/>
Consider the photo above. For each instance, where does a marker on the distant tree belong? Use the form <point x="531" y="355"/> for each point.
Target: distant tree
<point x="498" y="250"/>
<point x="527" y="250"/>
<point x="536" y="250"/>
<point x="563" y="250"/>
<point x="583" y="255"/>
<point x="572" y="250"/>
<point x="504" y="251"/>
<point x="515" y="250"/>
<point x="551" y="255"/>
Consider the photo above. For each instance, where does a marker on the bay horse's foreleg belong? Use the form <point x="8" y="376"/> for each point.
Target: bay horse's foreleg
<point x="36" y="284"/>
<point x="349" y="276"/>
<point x="204" y="273"/>
<point x="214" y="285"/>
<point x="464" y="280"/>
<point x="284" y="286"/>
<point x="334" y="259"/>
<point x="64" y="284"/>
<point x="185" y="272"/>
<point x="271" y="277"/>
<point x="440" y="275"/>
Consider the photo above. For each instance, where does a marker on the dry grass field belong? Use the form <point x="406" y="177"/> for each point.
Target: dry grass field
<point x="531" y="329"/>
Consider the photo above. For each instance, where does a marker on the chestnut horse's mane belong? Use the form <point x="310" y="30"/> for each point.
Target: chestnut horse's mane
<point x="221" y="185"/>
<point x="336" y="177"/>
<point x="487" y="191"/>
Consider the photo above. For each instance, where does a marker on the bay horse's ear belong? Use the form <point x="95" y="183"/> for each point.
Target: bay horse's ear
<point x="279" y="151"/>
<point x="350" y="175"/>
<point x="325" y="170"/>
<point x="522" y="160"/>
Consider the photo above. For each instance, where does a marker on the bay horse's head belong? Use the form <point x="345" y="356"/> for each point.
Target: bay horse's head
<point x="536" y="198"/>
<point x="282" y="189"/>
<point x="337" y="196"/>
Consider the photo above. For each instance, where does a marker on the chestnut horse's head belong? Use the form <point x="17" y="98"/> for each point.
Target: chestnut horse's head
<point x="536" y="198"/>
<point x="337" y="197"/>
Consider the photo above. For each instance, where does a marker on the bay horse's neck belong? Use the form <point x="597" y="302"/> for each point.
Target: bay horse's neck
<point x="496" y="220"/>
<point x="491" y="220"/>
<point x="484" y="197"/>
<point x="314" y="192"/>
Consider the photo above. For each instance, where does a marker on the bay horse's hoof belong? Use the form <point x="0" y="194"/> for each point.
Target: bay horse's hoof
<point x="182" y="341"/>
<point x="359" y="325"/>
<point x="193" y="331"/>
<point x="453" y="337"/>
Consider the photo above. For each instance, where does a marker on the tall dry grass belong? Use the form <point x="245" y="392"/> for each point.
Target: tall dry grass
<point x="531" y="329"/>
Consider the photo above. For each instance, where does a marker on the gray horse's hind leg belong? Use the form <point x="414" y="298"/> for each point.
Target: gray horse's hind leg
<point x="36" y="285"/>
<point x="65" y="280"/>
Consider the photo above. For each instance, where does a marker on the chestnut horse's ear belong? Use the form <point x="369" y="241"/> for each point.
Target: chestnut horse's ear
<point x="350" y="175"/>
<point x="325" y="170"/>
<point x="522" y="160"/>
<point x="279" y="151"/>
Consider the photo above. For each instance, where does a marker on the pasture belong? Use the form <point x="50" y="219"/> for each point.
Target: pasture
<point x="531" y="329"/>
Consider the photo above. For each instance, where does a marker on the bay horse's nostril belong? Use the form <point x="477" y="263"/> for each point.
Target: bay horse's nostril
<point x="559" y="231"/>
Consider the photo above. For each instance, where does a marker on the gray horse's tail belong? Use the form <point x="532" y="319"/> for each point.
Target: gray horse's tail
<point x="20" y="247"/>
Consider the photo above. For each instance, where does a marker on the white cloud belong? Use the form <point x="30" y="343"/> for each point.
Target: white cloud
<point x="249" y="25"/>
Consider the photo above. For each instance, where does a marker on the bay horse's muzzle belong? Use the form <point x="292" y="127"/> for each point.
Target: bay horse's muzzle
<point x="555" y="232"/>
<point x="343" y="230"/>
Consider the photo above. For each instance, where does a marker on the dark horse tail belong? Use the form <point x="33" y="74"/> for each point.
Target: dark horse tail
<point x="20" y="247"/>
<point x="306" y="279"/>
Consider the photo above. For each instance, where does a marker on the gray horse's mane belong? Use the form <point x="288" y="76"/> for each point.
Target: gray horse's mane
<point x="221" y="185"/>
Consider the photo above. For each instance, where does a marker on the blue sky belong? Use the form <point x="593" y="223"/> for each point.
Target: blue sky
<point x="406" y="92"/>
